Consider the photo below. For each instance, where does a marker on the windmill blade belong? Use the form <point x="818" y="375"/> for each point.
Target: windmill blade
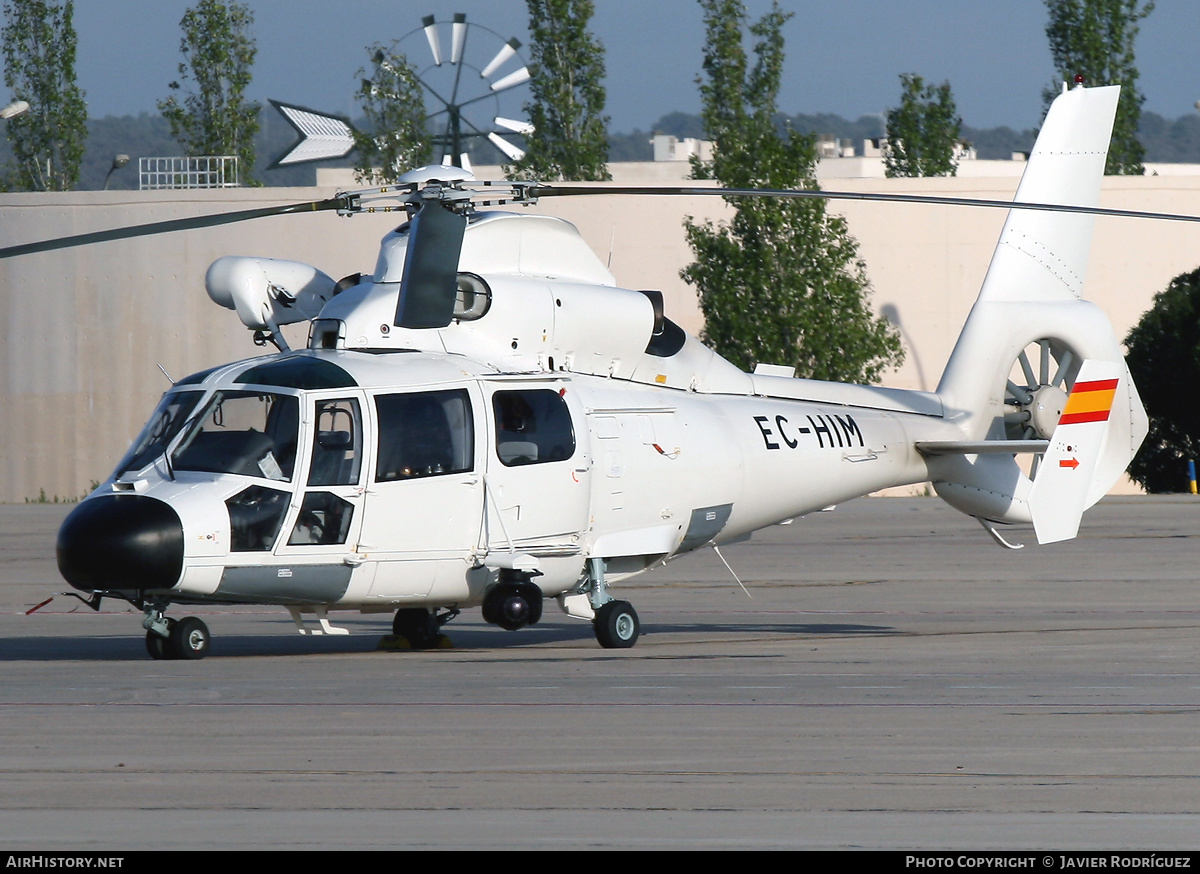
<point x="431" y="34"/>
<point x="512" y="80"/>
<point x="539" y="190"/>
<point x="458" y="37"/>
<point x="514" y="153"/>
<point x="508" y="50"/>
<point x="171" y="225"/>
<point x="430" y="281"/>
<point x="514" y="124"/>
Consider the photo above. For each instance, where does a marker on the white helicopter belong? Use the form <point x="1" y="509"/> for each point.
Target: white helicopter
<point x="486" y="419"/>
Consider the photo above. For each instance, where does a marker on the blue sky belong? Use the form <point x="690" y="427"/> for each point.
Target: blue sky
<point x="843" y="56"/>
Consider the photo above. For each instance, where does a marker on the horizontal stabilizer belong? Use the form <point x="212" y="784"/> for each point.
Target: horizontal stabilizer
<point x="979" y="447"/>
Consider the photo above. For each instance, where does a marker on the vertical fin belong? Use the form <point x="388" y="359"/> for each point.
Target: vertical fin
<point x="1066" y="475"/>
<point x="1041" y="258"/>
<point x="1032" y="293"/>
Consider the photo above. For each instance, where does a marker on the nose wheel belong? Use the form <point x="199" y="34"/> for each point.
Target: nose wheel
<point x="186" y="638"/>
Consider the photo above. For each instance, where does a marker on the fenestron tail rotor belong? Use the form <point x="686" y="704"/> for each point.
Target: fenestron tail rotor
<point x="1036" y="392"/>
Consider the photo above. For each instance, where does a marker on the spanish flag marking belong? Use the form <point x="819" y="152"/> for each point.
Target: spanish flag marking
<point x="1089" y="402"/>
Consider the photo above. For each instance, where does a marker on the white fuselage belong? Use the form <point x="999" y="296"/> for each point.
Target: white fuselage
<point x="412" y="476"/>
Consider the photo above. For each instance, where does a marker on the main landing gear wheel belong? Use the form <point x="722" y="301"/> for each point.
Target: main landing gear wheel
<point x="1034" y="397"/>
<point x="616" y="625"/>
<point x="418" y="626"/>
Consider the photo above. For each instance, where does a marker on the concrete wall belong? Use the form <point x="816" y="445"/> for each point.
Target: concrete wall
<point x="85" y="330"/>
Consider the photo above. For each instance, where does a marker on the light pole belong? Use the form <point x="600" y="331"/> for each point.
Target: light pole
<point x="119" y="161"/>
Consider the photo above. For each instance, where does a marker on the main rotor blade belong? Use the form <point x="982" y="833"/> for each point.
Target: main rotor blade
<point x="430" y="281"/>
<point x="169" y="226"/>
<point x="541" y="190"/>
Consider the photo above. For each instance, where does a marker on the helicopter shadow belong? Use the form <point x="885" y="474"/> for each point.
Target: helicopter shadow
<point x="122" y="648"/>
<point x="782" y="629"/>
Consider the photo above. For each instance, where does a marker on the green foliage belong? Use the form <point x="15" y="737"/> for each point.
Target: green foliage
<point x="569" y="141"/>
<point x="923" y="131"/>
<point x="782" y="282"/>
<point x="211" y="116"/>
<point x="394" y="108"/>
<point x="39" y="66"/>
<point x="1164" y="360"/>
<point x="1094" y="39"/>
<point x="43" y="498"/>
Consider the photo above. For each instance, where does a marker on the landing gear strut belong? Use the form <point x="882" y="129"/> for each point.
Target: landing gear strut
<point x="616" y="623"/>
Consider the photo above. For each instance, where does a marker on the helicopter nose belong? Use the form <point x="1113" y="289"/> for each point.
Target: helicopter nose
<point x="121" y="542"/>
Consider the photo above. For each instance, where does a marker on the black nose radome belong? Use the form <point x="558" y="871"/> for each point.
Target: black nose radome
<point x="121" y="542"/>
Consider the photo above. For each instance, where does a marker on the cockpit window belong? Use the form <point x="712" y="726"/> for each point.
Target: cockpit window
<point x="243" y="432"/>
<point x="168" y="418"/>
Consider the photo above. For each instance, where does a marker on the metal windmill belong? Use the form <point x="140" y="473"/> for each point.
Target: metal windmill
<point x="465" y="93"/>
<point x="465" y="89"/>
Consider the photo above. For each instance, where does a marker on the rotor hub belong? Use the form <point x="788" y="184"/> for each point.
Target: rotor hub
<point x="1045" y="408"/>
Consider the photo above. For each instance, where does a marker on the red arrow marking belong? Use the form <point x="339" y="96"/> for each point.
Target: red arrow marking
<point x="1069" y="462"/>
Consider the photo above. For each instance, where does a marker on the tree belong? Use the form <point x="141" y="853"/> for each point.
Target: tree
<point x="570" y="139"/>
<point x="782" y="282"/>
<point x="1094" y="39"/>
<point x="39" y="67"/>
<point x="923" y="131"/>
<point x="214" y="117"/>
<point x="1164" y="360"/>
<point x="395" y="109"/>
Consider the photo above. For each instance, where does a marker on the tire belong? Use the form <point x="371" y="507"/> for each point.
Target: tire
<point x="617" y="625"/>
<point x="189" y="639"/>
<point x="418" y="626"/>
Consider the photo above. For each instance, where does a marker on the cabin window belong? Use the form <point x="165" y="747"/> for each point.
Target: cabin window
<point x="250" y="433"/>
<point x="533" y="426"/>
<point x="424" y="434"/>
<point x="337" y="444"/>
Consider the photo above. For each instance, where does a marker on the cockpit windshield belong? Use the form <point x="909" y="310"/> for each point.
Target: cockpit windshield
<point x="169" y="416"/>
<point x="252" y="433"/>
